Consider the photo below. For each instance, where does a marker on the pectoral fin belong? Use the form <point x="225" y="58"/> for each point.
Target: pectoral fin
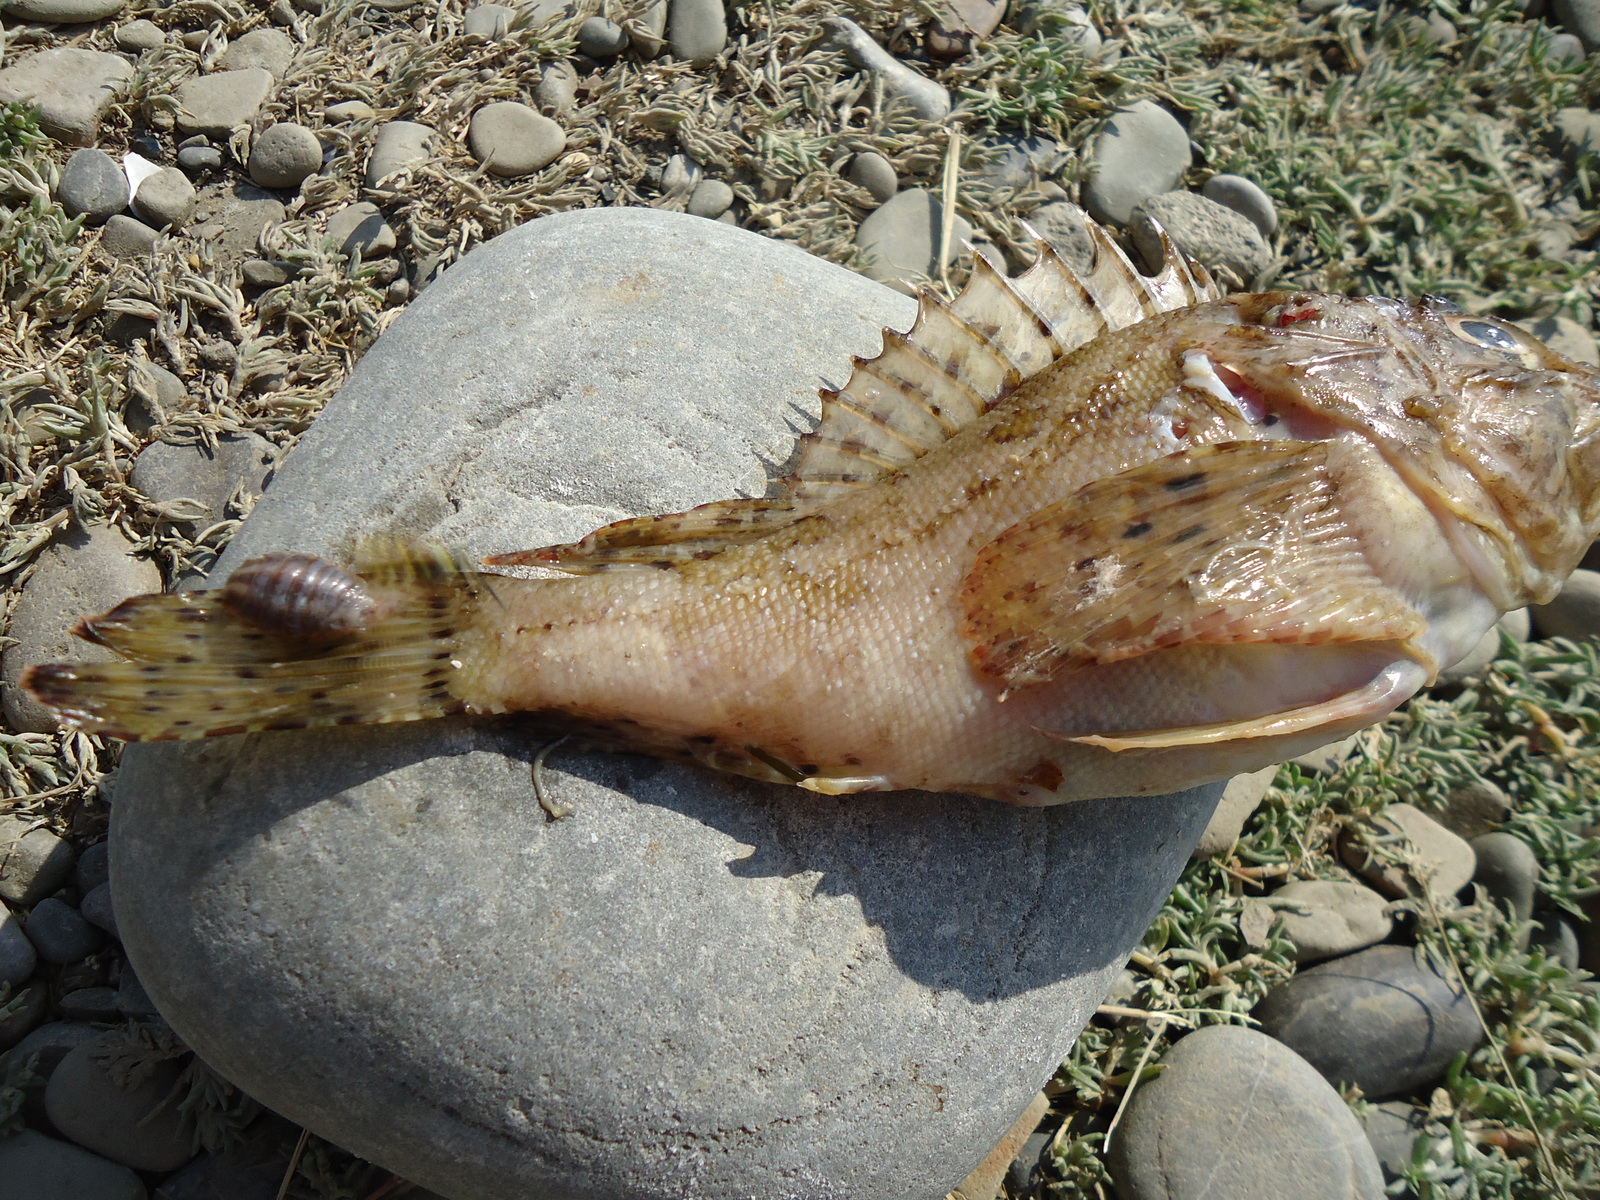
<point x="1233" y="543"/>
<point x="1344" y="712"/>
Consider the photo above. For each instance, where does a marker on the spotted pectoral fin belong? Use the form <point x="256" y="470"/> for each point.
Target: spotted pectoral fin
<point x="664" y="541"/>
<point x="1232" y="543"/>
<point x="1336" y="717"/>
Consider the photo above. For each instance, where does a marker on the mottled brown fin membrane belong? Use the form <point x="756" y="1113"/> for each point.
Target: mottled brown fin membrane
<point x="199" y="671"/>
<point x="956" y="362"/>
<point x="1238" y="542"/>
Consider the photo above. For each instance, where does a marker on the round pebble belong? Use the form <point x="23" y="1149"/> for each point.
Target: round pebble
<point x="1557" y="938"/>
<point x="1437" y="857"/>
<point x="1245" y="198"/>
<point x="140" y="35"/>
<point x="1015" y="162"/>
<point x="398" y="146"/>
<point x="1375" y="1019"/>
<point x="95" y="908"/>
<point x="59" y="933"/>
<point x="1580" y="18"/>
<point x="359" y="228"/>
<point x="63" y="12"/>
<point x="269" y="49"/>
<point x="22" y="1012"/>
<point x="557" y="89"/>
<point x="1392" y="1128"/>
<point x="1143" y="151"/>
<point x="1240" y="799"/>
<point x="710" y="199"/>
<point x="266" y="273"/>
<point x="17" y="955"/>
<point x="600" y="38"/>
<point x="71" y="88"/>
<point x="165" y="199"/>
<point x="1325" y="917"/>
<point x="33" y="861"/>
<point x="648" y="30"/>
<point x="92" y="184"/>
<point x="197" y="159"/>
<point x="697" y="30"/>
<point x="488" y="20"/>
<point x="1564" y="50"/>
<point x="350" y="110"/>
<point x="94" y="868"/>
<point x="42" y="1168"/>
<point x="138" y="1127"/>
<point x="875" y="173"/>
<point x="1061" y="223"/>
<point x="1216" y="236"/>
<point x="1508" y="870"/>
<point x="202" y="474"/>
<point x="90" y="1004"/>
<point x="283" y="155"/>
<point x="513" y="139"/>
<point x="1575" y="612"/>
<point x="1473" y="808"/>
<point x="215" y="104"/>
<point x="1235" y="1114"/>
<point x="900" y="240"/>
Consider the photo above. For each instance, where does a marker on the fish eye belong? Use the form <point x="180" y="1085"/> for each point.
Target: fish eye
<point x="1488" y="334"/>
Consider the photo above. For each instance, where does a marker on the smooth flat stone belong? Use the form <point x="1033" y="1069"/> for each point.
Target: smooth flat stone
<point x="693" y="984"/>
<point x="72" y="89"/>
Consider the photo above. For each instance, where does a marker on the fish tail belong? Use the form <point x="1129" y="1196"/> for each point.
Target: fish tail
<point x="195" y="667"/>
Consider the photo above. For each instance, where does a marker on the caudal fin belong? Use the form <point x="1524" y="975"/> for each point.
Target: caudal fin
<point x="198" y="668"/>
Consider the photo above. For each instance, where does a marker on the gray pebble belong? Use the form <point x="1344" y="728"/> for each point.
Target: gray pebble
<point x="648" y="30"/>
<point x="1245" y="198"/>
<point x="132" y="1000"/>
<point x="140" y="35"/>
<point x="875" y="173"/>
<point x="1240" y="799"/>
<point x="350" y="110"/>
<point x="33" y="861"/>
<point x="1027" y="1168"/>
<point x="1440" y="858"/>
<point x="697" y="30"/>
<point x="1142" y="152"/>
<point x="71" y="88"/>
<point x="154" y="394"/>
<point x="975" y="986"/>
<point x="924" y="97"/>
<point x="399" y="146"/>
<point x="710" y="199"/>
<point x="1326" y="760"/>
<point x="488" y="20"/>
<point x="600" y="38"/>
<point x="1014" y="163"/>
<point x="1234" y="1113"/>
<point x="23" y="1012"/>
<point x="93" y="184"/>
<point x="198" y="159"/>
<point x="90" y="1004"/>
<point x="512" y="139"/>
<point x="1577" y="133"/>
<point x="1374" y="1019"/>
<point x="17" y="955"/>
<point x="1476" y="807"/>
<point x="250" y="1170"/>
<point x="557" y="89"/>
<point x="165" y="199"/>
<point x="59" y="933"/>
<point x="266" y="273"/>
<point x="139" y="1127"/>
<point x="36" y="1167"/>
<point x="96" y="908"/>
<point x="1218" y="237"/>
<point x="45" y="1046"/>
<point x="269" y="49"/>
<point x="1325" y="917"/>
<point x="1054" y="17"/>
<point x="283" y="155"/>
<point x="1566" y="337"/>
<point x="1581" y="18"/>
<point x="964" y="21"/>
<point x="681" y="174"/>
<point x="359" y="229"/>
<point x="63" y="12"/>
<point x="193" y="471"/>
<point x="1564" y="50"/>
<point x="900" y="240"/>
<point x="215" y="104"/>
<point x="1508" y="870"/>
<point x="232" y="218"/>
<point x="94" y="868"/>
<point x="1575" y="612"/>
<point x="1557" y="938"/>
<point x="1392" y="1129"/>
<point x="80" y="574"/>
<point x="1061" y="223"/>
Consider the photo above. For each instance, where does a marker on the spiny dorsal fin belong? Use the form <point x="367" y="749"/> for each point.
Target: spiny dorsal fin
<point x="960" y="359"/>
<point x="956" y="362"/>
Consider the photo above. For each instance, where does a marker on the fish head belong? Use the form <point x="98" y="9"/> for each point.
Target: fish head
<point x="1494" y="430"/>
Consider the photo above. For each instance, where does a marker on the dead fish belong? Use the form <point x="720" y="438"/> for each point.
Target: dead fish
<point x="1072" y="535"/>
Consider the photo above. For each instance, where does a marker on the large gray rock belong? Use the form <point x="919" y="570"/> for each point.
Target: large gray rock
<point x="693" y="984"/>
<point x="72" y="89"/>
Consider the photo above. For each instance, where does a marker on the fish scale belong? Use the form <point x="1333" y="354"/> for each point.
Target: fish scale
<point x="1071" y="535"/>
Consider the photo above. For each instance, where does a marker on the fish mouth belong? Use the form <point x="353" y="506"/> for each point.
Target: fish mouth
<point x="1278" y="410"/>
